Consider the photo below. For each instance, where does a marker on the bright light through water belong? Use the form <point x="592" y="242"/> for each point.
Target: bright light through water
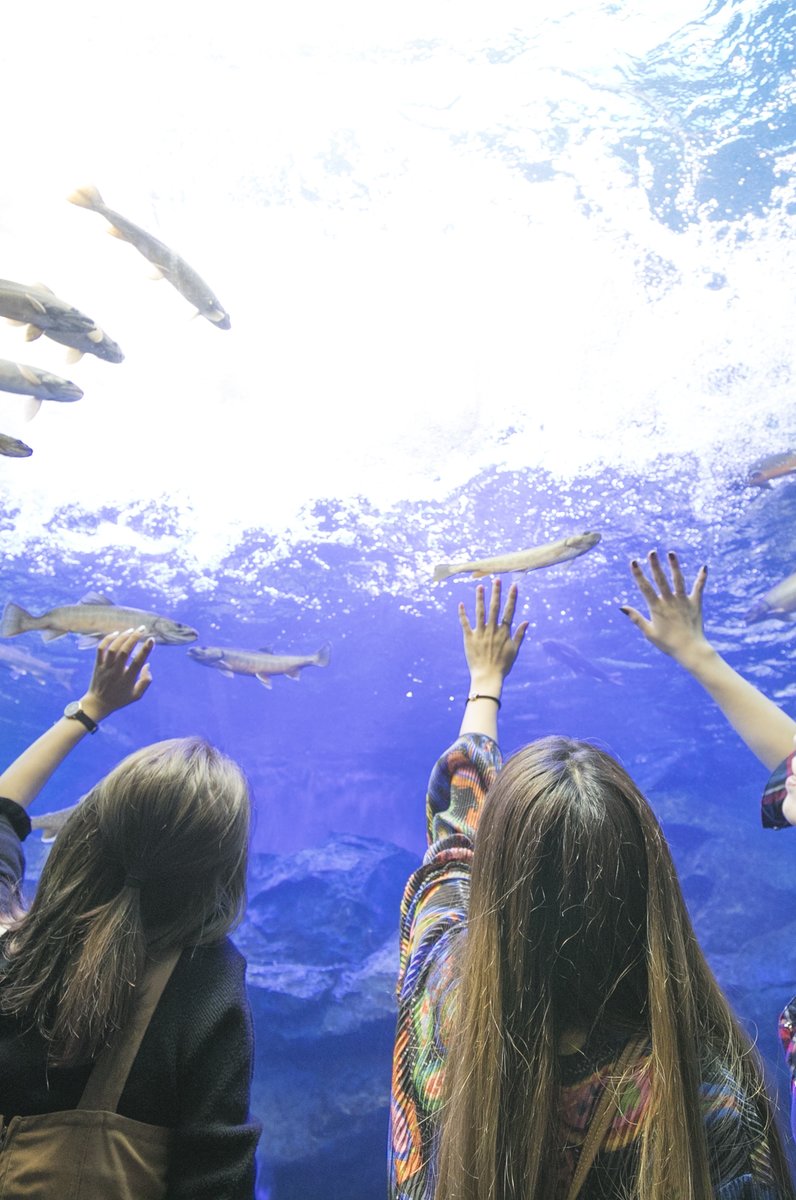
<point x="436" y="231"/>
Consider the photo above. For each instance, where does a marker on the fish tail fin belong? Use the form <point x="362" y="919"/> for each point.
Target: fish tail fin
<point x="63" y="675"/>
<point x="86" y="197"/>
<point x="442" y="571"/>
<point x="323" y="656"/>
<point x="16" y="620"/>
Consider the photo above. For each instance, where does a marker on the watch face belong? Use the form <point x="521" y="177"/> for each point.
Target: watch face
<point x="72" y="709"/>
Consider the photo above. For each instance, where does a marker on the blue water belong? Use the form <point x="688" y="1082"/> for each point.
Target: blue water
<point x="493" y="281"/>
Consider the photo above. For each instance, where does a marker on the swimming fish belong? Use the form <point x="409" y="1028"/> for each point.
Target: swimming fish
<point x="52" y="823"/>
<point x="522" y="560"/>
<point x="772" y="467"/>
<point x="778" y="603"/>
<point x="96" y="342"/>
<point x="91" y="619"/>
<point x="20" y="663"/>
<point x="13" y="448"/>
<point x="260" y="663"/>
<point x="40" y="385"/>
<point x="43" y="312"/>
<point x="578" y="662"/>
<point x="179" y="274"/>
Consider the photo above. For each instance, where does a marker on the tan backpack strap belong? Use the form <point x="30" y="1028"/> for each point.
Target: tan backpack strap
<point x="603" y="1115"/>
<point x="106" y="1082"/>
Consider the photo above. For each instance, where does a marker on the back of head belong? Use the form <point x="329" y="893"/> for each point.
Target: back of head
<point x="154" y="858"/>
<point x="576" y="919"/>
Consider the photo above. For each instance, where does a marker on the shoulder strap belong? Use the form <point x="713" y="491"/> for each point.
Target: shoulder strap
<point x="602" y="1117"/>
<point x="106" y="1082"/>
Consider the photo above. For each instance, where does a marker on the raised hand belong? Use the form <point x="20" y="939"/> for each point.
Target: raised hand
<point x="674" y="624"/>
<point x="489" y="646"/>
<point x="120" y="676"/>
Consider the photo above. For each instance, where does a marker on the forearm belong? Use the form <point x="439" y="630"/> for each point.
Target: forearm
<point x="27" y="775"/>
<point x="764" y="727"/>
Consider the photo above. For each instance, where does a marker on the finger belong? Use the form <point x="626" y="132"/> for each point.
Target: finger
<point x="141" y="655"/>
<point x="699" y="583"/>
<point x="677" y="574"/>
<point x="105" y="643"/>
<point x="635" y="616"/>
<point x="519" y="636"/>
<point x="642" y="583"/>
<point x="511" y="604"/>
<point x="658" y="573"/>
<point x="142" y="682"/>
<point x="494" y="602"/>
<point x="464" y="620"/>
<point x="479" y="606"/>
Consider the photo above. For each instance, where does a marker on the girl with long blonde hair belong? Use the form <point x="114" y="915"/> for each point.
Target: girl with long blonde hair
<point x="560" y="1033"/>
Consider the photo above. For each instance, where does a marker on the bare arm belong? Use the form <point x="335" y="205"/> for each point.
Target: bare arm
<point x="118" y="679"/>
<point x="490" y="650"/>
<point x="675" y="627"/>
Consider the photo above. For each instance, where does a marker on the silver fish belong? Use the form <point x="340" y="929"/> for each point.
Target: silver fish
<point x="39" y="385"/>
<point x="778" y="603"/>
<point x="20" y="663"/>
<point x="35" y="305"/>
<point x="50" y="824"/>
<point x="95" y="342"/>
<point x="95" y="616"/>
<point x="578" y="662"/>
<point x="522" y="560"/>
<point x="260" y="663"/>
<point x="179" y="274"/>
<point x="13" y="448"/>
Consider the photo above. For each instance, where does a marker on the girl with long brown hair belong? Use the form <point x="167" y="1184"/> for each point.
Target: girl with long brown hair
<point x="120" y="976"/>
<point x="559" y="1031"/>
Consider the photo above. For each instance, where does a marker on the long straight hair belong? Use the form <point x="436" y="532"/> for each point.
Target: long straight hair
<point x="152" y="859"/>
<point x="577" y="917"/>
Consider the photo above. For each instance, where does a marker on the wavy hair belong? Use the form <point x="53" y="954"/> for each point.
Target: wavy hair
<point x="152" y="859"/>
<point x="577" y="917"/>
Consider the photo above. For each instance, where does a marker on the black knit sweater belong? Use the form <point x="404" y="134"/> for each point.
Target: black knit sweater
<point x="192" y="1073"/>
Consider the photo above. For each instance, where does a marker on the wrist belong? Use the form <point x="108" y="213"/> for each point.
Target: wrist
<point x="94" y="707"/>
<point x="696" y="657"/>
<point x="488" y="683"/>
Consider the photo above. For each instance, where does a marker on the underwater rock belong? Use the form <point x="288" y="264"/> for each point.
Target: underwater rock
<point x="321" y="940"/>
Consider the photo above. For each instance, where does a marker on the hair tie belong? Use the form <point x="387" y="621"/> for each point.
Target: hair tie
<point x="132" y="881"/>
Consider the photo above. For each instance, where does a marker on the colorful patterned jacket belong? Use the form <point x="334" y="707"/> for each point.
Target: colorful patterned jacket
<point x="433" y="923"/>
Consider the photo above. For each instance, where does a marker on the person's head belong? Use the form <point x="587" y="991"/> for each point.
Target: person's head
<point x="154" y="858"/>
<point x="576" y="919"/>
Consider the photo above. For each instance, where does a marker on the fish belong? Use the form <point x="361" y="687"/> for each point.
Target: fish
<point x="20" y="663"/>
<point x="13" y="448"/>
<point x="50" y="824"/>
<point x="772" y="467"/>
<point x="260" y="663"/>
<point x="39" y="385"/>
<point x="578" y="662"/>
<point x="777" y="604"/>
<point x="91" y="619"/>
<point x="522" y="560"/>
<point x="36" y="306"/>
<point x="179" y="274"/>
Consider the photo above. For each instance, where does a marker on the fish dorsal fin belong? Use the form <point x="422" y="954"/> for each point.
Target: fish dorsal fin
<point x="96" y="598"/>
<point x="43" y="288"/>
<point x="264" y="650"/>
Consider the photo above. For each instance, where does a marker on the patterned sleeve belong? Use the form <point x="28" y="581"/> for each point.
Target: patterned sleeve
<point x="14" y="827"/>
<point x="774" y="796"/>
<point x="433" y="916"/>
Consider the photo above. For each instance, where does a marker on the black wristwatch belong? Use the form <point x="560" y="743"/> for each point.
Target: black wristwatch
<point x="74" y="712"/>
